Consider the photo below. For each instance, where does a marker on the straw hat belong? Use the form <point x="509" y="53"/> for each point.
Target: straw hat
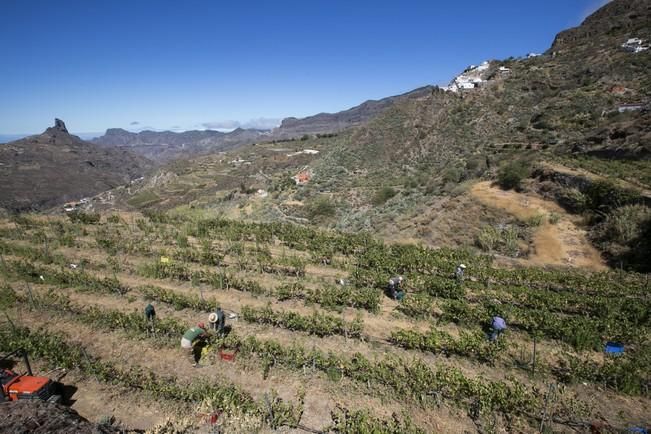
<point x="212" y="317"/>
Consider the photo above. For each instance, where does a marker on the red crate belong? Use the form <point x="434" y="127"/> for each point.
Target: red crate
<point x="227" y="355"/>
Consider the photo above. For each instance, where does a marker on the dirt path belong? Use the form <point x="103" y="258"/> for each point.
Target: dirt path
<point x="562" y="243"/>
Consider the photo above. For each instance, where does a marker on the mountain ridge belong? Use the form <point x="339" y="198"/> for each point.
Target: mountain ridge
<point x="47" y="169"/>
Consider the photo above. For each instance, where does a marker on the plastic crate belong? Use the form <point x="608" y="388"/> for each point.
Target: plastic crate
<point x="614" y="348"/>
<point x="229" y="356"/>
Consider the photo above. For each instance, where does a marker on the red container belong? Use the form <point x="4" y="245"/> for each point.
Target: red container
<point x="228" y="356"/>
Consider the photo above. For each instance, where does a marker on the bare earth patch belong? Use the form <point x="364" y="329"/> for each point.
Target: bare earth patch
<point x="562" y="243"/>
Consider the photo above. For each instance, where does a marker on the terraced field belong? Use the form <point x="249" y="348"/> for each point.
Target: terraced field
<point x="312" y="354"/>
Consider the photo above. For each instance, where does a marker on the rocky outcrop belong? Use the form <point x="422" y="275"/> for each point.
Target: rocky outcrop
<point x="54" y="167"/>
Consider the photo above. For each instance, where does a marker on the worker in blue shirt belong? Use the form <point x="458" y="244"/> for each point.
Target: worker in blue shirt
<point x="498" y="325"/>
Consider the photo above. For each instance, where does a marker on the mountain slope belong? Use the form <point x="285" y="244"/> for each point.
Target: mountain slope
<point x="165" y="146"/>
<point x="572" y="100"/>
<point x="333" y="122"/>
<point x="405" y="172"/>
<point x="54" y="167"/>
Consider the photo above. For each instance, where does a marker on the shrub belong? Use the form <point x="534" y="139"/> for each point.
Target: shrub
<point x="85" y="218"/>
<point x="604" y="196"/>
<point x="511" y="175"/>
<point x="321" y="208"/>
<point x="624" y="224"/>
<point x="535" y="220"/>
<point x="382" y="195"/>
<point x="573" y="200"/>
<point x="499" y="239"/>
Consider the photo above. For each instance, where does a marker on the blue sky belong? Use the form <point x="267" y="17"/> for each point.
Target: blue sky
<point x="197" y="64"/>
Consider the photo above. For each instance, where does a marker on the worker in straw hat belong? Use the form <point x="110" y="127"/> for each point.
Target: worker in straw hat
<point x="216" y="320"/>
<point x="192" y="342"/>
<point x="459" y="272"/>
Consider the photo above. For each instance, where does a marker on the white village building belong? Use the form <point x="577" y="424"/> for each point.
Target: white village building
<point x="471" y="78"/>
<point x="635" y="45"/>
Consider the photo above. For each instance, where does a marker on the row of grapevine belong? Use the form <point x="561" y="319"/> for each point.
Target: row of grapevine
<point x="469" y="344"/>
<point x="316" y="324"/>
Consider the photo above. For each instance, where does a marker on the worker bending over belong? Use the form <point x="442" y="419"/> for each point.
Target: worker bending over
<point x="498" y="326"/>
<point x="192" y="343"/>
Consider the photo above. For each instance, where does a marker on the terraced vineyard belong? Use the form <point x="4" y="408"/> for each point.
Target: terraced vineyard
<point x="313" y="354"/>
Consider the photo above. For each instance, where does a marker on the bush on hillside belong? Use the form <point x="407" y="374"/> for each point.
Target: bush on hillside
<point x="511" y="175"/>
<point x="321" y="208"/>
<point x="624" y="224"/>
<point x="625" y="236"/>
<point x="605" y="196"/>
<point x="382" y="195"/>
<point x="84" y="218"/>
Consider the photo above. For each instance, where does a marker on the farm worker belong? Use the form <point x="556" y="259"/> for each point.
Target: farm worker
<point x="458" y="273"/>
<point x="191" y="342"/>
<point x="498" y="326"/>
<point x="150" y="312"/>
<point x="216" y="320"/>
<point x="395" y="290"/>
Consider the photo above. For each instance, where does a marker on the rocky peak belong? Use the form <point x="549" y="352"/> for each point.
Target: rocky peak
<point x="59" y="125"/>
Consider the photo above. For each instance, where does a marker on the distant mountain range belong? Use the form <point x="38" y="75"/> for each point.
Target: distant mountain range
<point x="54" y="167"/>
<point x="163" y="146"/>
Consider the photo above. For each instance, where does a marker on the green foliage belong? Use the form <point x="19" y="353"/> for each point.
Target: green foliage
<point x="511" y="175"/>
<point x="62" y="277"/>
<point x="166" y="330"/>
<point x="535" y="220"/>
<point x="114" y="218"/>
<point x="469" y="344"/>
<point x="317" y="324"/>
<point x="321" y="208"/>
<point x="413" y="379"/>
<point x="170" y="270"/>
<point x="627" y="374"/>
<point x="382" y="195"/>
<point x="7" y="297"/>
<point x="226" y="397"/>
<point x="84" y="218"/>
<point x="177" y="300"/>
<point x="360" y="421"/>
<point x="604" y="196"/>
<point x="501" y="239"/>
<point x="624" y="224"/>
<point x="417" y="306"/>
